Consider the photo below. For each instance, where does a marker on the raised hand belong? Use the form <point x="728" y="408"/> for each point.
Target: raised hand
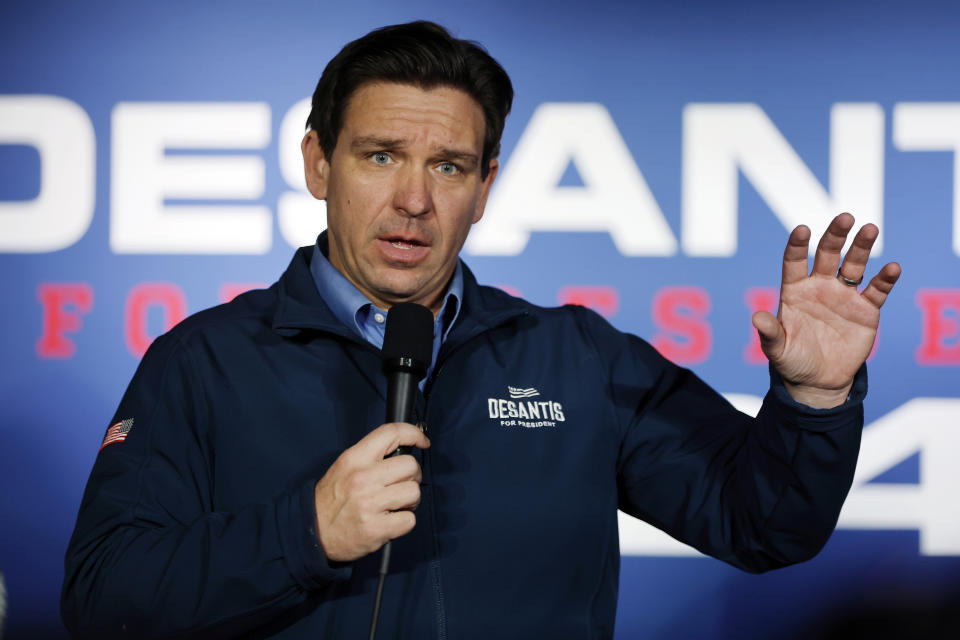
<point x="365" y="499"/>
<point x="825" y="327"/>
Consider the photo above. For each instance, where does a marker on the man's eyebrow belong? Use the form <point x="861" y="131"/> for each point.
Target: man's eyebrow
<point x="365" y="142"/>
<point x="445" y="153"/>
<point x="466" y="157"/>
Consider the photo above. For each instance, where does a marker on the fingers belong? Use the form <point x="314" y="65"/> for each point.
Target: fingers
<point x="380" y="529"/>
<point x="827" y="259"/>
<point x="855" y="262"/>
<point x="396" y="524"/>
<point x="361" y="500"/>
<point x="351" y="524"/>
<point x="882" y="283"/>
<point x="771" y="333"/>
<point x="385" y="439"/>
<point x="795" y="255"/>
<point x="396" y="469"/>
<point x="399" y="497"/>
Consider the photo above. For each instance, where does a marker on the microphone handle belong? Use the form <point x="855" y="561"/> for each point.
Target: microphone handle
<point x="401" y="397"/>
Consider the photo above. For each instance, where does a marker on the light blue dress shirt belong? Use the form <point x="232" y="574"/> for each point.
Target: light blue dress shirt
<point x="355" y="311"/>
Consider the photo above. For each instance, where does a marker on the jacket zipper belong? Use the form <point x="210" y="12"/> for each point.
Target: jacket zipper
<point x="435" y="562"/>
<point x="439" y="608"/>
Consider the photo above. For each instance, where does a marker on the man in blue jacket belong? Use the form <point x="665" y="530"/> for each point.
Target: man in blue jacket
<point x="244" y="487"/>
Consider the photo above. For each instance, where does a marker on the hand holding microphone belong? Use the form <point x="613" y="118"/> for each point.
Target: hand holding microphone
<point x="366" y="497"/>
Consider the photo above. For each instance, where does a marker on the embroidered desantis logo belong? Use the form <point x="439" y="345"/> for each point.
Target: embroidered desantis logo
<point x="118" y="432"/>
<point x="520" y="411"/>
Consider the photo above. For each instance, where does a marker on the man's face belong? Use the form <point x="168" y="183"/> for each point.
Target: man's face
<point x="402" y="187"/>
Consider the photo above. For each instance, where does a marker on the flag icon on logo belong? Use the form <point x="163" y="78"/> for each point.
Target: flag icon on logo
<point x="118" y="432"/>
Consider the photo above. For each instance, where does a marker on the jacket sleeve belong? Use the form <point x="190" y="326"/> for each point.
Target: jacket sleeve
<point x="151" y="558"/>
<point x="757" y="493"/>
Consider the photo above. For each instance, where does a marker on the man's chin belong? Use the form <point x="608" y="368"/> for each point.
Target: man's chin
<point x="395" y="292"/>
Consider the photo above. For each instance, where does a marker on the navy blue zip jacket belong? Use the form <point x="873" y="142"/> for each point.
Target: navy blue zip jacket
<point x="542" y="422"/>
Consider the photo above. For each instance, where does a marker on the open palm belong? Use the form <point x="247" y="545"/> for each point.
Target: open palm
<point x="825" y="328"/>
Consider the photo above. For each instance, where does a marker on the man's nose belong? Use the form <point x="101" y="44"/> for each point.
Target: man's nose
<point x="412" y="192"/>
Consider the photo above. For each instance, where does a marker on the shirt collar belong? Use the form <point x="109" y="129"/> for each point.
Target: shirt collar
<point x="355" y="311"/>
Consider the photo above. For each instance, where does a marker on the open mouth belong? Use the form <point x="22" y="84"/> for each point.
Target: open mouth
<point x="404" y="249"/>
<point x="404" y="243"/>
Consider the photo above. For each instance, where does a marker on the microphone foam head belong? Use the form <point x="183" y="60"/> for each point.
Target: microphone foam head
<point x="409" y="333"/>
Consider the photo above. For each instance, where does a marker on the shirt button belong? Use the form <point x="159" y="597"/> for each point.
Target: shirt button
<point x="379" y="318"/>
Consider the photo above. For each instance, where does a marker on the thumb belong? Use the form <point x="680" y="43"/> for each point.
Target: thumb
<point x="771" y="333"/>
<point x="385" y="439"/>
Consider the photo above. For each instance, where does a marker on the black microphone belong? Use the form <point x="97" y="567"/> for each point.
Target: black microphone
<point x="407" y="353"/>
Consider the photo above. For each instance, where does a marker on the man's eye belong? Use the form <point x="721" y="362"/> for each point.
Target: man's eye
<point x="448" y="169"/>
<point x="381" y="158"/>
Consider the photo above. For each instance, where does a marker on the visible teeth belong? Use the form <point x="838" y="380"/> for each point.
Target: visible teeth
<point x="401" y="245"/>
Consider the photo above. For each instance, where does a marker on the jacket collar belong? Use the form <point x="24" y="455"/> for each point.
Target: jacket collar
<point x="300" y="307"/>
<point x="299" y="304"/>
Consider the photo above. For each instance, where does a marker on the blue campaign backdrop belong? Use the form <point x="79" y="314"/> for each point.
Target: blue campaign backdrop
<point x="655" y="158"/>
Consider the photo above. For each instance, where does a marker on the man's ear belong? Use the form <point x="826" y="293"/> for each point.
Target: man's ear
<point x="316" y="168"/>
<point x="485" y="190"/>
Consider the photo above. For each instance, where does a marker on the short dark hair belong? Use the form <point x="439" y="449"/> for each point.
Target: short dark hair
<point x="422" y="54"/>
